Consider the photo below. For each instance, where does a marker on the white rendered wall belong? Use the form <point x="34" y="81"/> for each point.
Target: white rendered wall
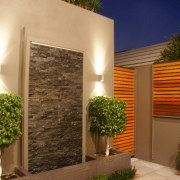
<point x="57" y="23"/>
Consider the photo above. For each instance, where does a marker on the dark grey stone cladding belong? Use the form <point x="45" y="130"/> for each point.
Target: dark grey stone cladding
<point x="55" y="108"/>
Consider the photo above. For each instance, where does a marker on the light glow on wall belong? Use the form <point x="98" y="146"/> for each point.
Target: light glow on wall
<point x="99" y="89"/>
<point x="2" y="49"/>
<point x="3" y="88"/>
<point x="4" y="38"/>
<point x="99" y="61"/>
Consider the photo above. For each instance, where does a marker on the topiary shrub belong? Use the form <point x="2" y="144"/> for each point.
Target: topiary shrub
<point x="10" y="119"/>
<point x="172" y="51"/>
<point x="107" y="117"/>
<point x="126" y="174"/>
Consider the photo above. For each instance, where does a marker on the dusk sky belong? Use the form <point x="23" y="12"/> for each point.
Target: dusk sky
<point x="140" y="23"/>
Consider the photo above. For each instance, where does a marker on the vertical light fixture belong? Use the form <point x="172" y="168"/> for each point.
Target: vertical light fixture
<point x="101" y="78"/>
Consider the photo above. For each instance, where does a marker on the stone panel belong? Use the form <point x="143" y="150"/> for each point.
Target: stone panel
<point x="55" y="108"/>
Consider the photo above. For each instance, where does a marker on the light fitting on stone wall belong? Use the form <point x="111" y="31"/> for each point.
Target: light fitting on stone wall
<point x="101" y="78"/>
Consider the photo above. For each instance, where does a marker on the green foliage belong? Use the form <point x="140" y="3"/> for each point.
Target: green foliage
<point x="10" y="118"/>
<point x="107" y="116"/>
<point x="100" y="177"/>
<point x="92" y="5"/>
<point x="178" y="153"/>
<point x="95" y="5"/>
<point x="172" y="51"/>
<point x="126" y="174"/>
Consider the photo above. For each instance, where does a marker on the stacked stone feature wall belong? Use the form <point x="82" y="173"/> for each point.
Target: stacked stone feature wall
<point x="55" y="108"/>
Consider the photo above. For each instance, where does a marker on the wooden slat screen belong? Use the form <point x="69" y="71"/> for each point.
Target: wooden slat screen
<point x="166" y="91"/>
<point x="124" y="89"/>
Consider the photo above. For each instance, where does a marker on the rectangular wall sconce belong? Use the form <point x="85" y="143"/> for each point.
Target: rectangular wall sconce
<point x="101" y="78"/>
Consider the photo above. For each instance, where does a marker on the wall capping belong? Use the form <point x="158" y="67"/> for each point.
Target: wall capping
<point x="169" y="117"/>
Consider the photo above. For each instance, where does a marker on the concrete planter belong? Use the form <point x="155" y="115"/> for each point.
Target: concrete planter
<point x="85" y="171"/>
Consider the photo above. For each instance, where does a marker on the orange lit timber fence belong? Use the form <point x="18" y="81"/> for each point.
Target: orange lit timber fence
<point x="124" y="89"/>
<point x="166" y="91"/>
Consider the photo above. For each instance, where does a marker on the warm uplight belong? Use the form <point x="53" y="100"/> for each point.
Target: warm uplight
<point x="3" y="88"/>
<point x="1" y="51"/>
<point x="99" y="89"/>
<point x="2" y="48"/>
<point x="99" y="60"/>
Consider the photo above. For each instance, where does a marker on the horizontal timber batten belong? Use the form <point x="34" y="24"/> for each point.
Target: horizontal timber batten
<point x="123" y="79"/>
<point x="124" y="135"/>
<point x="167" y="64"/>
<point x="166" y="75"/>
<point x="125" y="145"/>
<point x="166" y="68"/>
<point x="124" y="69"/>
<point x="166" y="92"/>
<point x="122" y="85"/>
<point x="166" y="85"/>
<point x="167" y="71"/>
<point x="124" y="89"/>
<point x="126" y="76"/>
<point x="167" y="89"/>
<point x="124" y="138"/>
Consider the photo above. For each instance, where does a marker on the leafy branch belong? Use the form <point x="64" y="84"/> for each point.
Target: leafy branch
<point x="92" y="5"/>
<point x="172" y="51"/>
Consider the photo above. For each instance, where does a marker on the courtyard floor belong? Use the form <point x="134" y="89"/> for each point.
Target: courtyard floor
<point x="151" y="171"/>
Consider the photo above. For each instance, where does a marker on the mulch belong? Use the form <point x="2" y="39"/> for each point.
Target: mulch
<point x="9" y="176"/>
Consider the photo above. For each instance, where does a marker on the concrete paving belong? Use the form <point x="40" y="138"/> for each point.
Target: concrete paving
<point x="152" y="171"/>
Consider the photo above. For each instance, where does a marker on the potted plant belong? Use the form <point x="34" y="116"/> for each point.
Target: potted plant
<point x="178" y="161"/>
<point x="107" y="117"/>
<point x="10" y="119"/>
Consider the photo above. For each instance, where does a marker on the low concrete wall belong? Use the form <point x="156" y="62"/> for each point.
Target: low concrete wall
<point x="87" y="170"/>
<point x="166" y="139"/>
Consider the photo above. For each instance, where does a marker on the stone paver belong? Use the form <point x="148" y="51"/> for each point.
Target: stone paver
<point x="152" y="171"/>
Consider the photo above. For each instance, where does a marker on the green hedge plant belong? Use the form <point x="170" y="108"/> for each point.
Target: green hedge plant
<point x="178" y="154"/>
<point x="100" y="177"/>
<point x="107" y="117"/>
<point x="125" y="174"/>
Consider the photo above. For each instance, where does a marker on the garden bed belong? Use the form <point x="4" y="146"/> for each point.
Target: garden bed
<point x="18" y="172"/>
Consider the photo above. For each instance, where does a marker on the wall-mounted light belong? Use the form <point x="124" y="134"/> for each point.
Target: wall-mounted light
<point x="101" y="78"/>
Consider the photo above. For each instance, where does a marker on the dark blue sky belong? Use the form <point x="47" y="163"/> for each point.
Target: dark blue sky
<point x="140" y="23"/>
